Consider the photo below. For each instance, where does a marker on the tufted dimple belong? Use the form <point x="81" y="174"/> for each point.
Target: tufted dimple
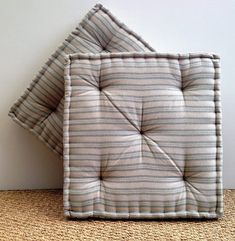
<point x="53" y="109"/>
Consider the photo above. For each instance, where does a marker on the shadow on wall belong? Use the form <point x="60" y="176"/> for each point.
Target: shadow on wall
<point x="27" y="163"/>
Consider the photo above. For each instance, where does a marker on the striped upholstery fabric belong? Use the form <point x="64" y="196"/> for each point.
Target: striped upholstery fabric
<point x="142" y="136"/>
<point x="40" y="109"/>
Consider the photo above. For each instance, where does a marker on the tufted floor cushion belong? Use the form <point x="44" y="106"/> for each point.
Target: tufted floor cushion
<point x="142" y="136"/>
<point x="40" y="108"/>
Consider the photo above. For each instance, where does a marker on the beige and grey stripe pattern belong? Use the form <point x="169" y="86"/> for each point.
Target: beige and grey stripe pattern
<point x="142" y="136"/>
<point x="40" y="108"/>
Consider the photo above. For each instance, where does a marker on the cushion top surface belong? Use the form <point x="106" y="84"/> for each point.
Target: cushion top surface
<point x="142" y="136"/>
<point x="40" y="108"/>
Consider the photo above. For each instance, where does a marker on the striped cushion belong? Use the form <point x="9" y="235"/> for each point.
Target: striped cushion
<point x="142" y="136"/>
<point x="40" y="109"/>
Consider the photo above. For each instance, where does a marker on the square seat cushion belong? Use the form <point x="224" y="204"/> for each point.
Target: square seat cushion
<point x="40" y="108"/>
<point x="142" y="136"/>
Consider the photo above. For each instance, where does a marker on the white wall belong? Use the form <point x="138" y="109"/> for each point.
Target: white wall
<point x="30" y="31"/>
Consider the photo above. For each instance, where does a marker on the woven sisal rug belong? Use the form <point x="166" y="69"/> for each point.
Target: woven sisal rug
<point x="38" y="215"/>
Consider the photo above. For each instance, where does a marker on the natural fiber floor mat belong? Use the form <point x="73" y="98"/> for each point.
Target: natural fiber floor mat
<point x="38" y="215"/>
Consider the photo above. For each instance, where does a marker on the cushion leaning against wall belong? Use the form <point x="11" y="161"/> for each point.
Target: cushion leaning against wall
<point x="142" y="136"/>
<point x="40" y="108"/>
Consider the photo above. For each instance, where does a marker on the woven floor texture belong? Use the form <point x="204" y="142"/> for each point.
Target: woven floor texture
<point x="38" y="215"/>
